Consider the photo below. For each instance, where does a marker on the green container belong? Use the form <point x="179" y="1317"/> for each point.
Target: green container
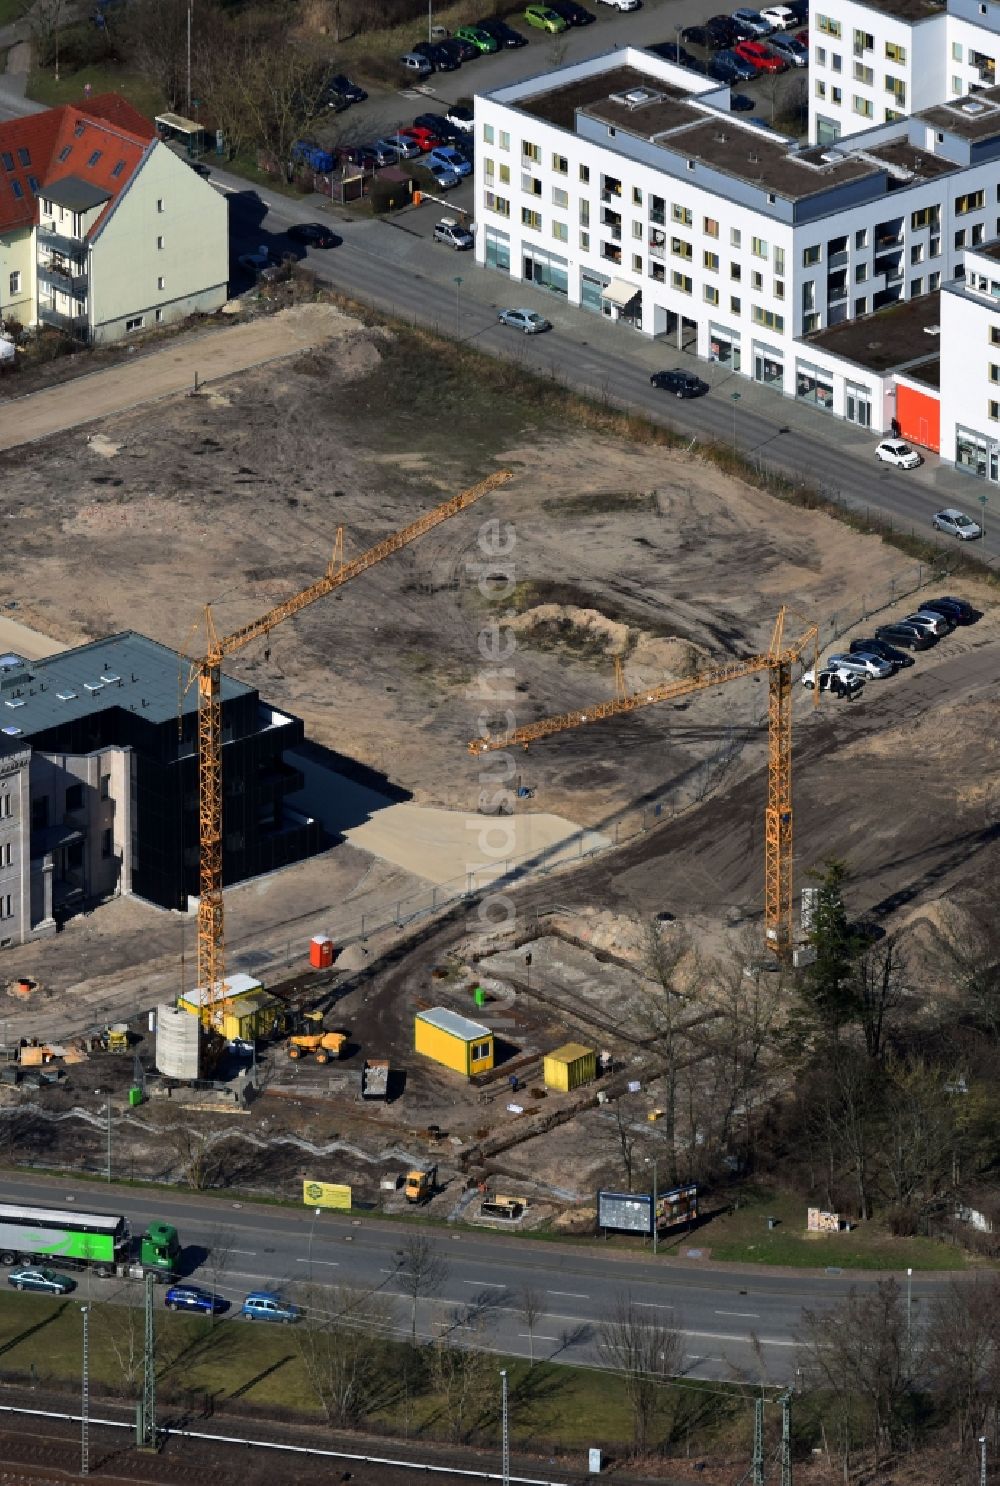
<point x="134" y="1096"/>
<point x="479" y="996"/>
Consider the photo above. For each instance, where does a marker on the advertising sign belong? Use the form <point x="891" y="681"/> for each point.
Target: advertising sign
<point x="326" y="1194"/>
<point x="679" y="1205"/>
<point x="627" y="1212"/>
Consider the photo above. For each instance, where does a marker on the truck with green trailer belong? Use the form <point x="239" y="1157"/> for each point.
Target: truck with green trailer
<point x="103" y="1242"/>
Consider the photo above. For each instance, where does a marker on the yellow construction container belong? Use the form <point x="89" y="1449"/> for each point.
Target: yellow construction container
<point x="569" y="1067"/>
<point x="250" y="1012"/>
<point x="458" y="1043"/>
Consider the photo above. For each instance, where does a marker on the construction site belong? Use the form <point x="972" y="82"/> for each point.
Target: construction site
<point x="558" y="748"/>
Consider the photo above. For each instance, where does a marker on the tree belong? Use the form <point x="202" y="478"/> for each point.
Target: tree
<point x="461" y="1377"/>
<point x="826" y="985"/>
<point x="646" y="1352"/>
<point x="963" y="1352"/>
<point x="531" y="1306"/>
<point x="342" y="1352"/>
<point x="662" y="1013"/>
<point x="123" y="1328"/>
<point x="154" y="40"/>
<point x="421" y="1272"/>
<point x="921" y="1138"/>
<point x="219" y="1247"/>
<point x="877" y="991"/>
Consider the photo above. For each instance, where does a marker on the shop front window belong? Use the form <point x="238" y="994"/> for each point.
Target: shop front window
<point x="813" y="385"/>
<point x="497" y="249"/>
<point x="724" y="346"/>
<point x="768" y="367"/>
<point x="971" y="453"/>
<point x="592" y="287"/>
<point x="858" y="405"/>
<point x="546" y="270"/>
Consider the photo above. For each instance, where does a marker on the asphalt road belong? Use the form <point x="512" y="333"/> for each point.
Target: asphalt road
<point x="734" y="1322"/>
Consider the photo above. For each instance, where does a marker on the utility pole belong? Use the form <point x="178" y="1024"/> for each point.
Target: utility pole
<point x="656" y="1225"/>
<point x="190" y="3"/>
<point x="109" y="1135"/>
<point x="909" y="1317"/>
<point x="146" y="1432"/>
<point x="505" y="1443"/>
<point x="982" y="1460"/>
<point x="85" y="1396"/>
<point x="757" y="1464"/>
<point x="786" y="1439"/>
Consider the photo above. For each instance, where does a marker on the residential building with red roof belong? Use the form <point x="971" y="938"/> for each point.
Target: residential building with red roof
<point x="104" y="231"/>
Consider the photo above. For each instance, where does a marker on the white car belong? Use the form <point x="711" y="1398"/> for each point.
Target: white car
<point x="899" y="453"/>
<point x="753" y="21"/>
<point x="863" y="664"/>
<point x="840" y="683"/>
<point x="623" y="4"/>
<point x="957" y="524"/>
<point x="780" y="17"/>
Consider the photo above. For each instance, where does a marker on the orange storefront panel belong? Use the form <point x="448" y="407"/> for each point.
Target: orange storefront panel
<point x="919" y="417"/>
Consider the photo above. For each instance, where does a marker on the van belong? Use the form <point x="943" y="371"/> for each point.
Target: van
<point x="415" y="64"/>
<point x="266" y="1305"/>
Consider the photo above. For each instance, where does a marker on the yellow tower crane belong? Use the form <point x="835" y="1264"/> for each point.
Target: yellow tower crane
<point x="777" y="661"/>
<point x="207" y="672"/>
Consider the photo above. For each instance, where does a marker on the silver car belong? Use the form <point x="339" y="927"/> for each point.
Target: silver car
<point x="524" y="320"/>
<point x="934" y="624"/>
<point x="957" y="524"/>
<point x="863" y="664"/>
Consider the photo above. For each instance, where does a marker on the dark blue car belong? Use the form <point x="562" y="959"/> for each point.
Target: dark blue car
<point x="727" y="67"/>
<point x="193" y="1298"/>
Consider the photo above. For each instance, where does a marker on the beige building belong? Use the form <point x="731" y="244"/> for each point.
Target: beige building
<point x="104" y="231"/>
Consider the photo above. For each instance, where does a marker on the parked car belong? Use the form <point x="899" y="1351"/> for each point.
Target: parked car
<point x="544" y="19"/>
<point x="357" y="154"/>
<point x="695" y="36"/>
<point x="959" y="609"/>
<point x="503" y="35"/>
<point x="803" y="37"/>
<point x="405" y="147"/>
<point x="671" y="52"/>
<point x="194" y="1298"/>
<point x="46" y="1281"/>
<point x="524" y="320"/>
<point x="907" y="635"/>
<point x="752" y="19"/>
<point x="458" y="51"/>
<point x="435" y="124"/>
<point x="934" y="624"/>
<point x="448" y="158"/>
<point x="762" y="57"/>
<point x="442" y="175"/>
<point x="314" y="234"/>
<point x="348" y="90"/>
<point x="721" y="32"/>
<point x="415" y="65"/>
<point x="572" y="13"/>
<point x="623" y="4"/>
<point x="440" y="58"/>
<point x="425" y="139"/>
<point x="741" y="30"/>
<point x="480" y="39"/>
<point x="268" y="1305"/>
<point x="740" y="103"/>
<point x="791" y="50"/>
<point x="800" y="10"/>
<point x="781" y="17"/>
<point x="864" y="646"/>
<point x="729" y="67"/>
<point x="869" y="666"/>
<point x="956" y="524"/>
<point x="453" y="233"/>
<point x="383" y="153"/>
<point x="680" y="383"/>
<point x="462" y="118"/>
<point x="897" y="452"/>
<point x="846" y="684"/>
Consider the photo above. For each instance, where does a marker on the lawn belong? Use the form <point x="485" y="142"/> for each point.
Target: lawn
<point x="743" y="1237"/>
<point x="102" y="78"/>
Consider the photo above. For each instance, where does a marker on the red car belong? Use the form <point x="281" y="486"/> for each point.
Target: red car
<point x="803" y="37"/>
<point x="760" y="57"/>
<point x="425" y="138"/>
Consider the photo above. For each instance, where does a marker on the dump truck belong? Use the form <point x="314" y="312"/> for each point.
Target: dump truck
<point x="421" y="1184"/>
<point x="323" y="1046"/>
<point x="375" y="1078"/>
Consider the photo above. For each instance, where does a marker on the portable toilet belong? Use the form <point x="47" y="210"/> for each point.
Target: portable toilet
<point x="570" y="1066"/>
<point x="454" y="1041"/>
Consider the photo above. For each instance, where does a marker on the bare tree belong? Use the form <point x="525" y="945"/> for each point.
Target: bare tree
<point x="123" y="1328"/>
<point x="219" y="1246"/>
<point x="626" y="1135"/>
<point x="154" y="39"/>
<point x="646" y="1352"/>
<point x="342" y="1351"/>
<point x="920" y="1146"/>
<point x="47" y="19"/>
<point x="878" y="991"/>
<point x="531" y="1306"/>
<point x="421" y="1272"/>
<point x="461" y="1377"/>
<point x="963" y="1352"/>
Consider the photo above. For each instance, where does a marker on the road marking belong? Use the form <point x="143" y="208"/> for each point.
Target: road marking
<point x="537" y="1336"/>
<point x="485" y="1284"/>
<point x="331" y="1262"/>
<point x="247" y="1253"/>
<point x="741" y="1315"/>
<point x="722" y="1336"/>
<point x="570" y="1294"/>
<point x="652" y="1305"/>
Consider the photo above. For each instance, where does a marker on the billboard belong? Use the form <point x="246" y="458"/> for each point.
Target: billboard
<point x="679" y="1205"/>
<point x="326" y="1194"/>
<point x="627" y="1212"/>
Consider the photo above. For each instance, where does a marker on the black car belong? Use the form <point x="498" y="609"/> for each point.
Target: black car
<point x="740" y="103"/>
<point x="572" y="14"/>
<point x="342" y="84"/>
<point x="315" y="234"/>
<point x="439" y="58"/>
<point x="721" y="31"/>
<point x="727" y="67"/>
<point x="460" y="48"/>
<point x="671" y="52"/>
<point x="502" y="34"/>
<point x="742" y="30"/>
<point x="907" y="635"/>
<point x="438" y="125"/>
<point x="957" y="610"/>
<point x="800" y="10"/>
<point x="696" y="36"/>
<point x="881" y="648"/>
<point x="680" y="383"/>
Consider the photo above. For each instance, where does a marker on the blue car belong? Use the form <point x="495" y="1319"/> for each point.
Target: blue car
<point x="193" y="1298"/>
<point x="449" y="158"/>
<point x="266" y="1305"/>
<point x="728" y="67"/>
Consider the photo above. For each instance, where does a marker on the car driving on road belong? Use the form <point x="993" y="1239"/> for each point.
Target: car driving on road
<point x="956" y="524"/>
<point x="314" y="234"/>
<point x="680" y="383"/>
<point x="194" y="1298"/>
<point x="268" y="1305"/>
<point x="45" y="1281"/>
<point x="524" y="320"/>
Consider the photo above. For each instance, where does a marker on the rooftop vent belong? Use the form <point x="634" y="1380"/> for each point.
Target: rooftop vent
<point x="66" y="696"/>
<point x="110" y="678"/>
<point x="752" y="157"/>
<point x="637" y="97"/>
<point x="93" y="686"/>
<point x="973" y="108"/>
<point x="12" y="732"/>
<point x="932" y="330"/>
<point x="10" y="661"/>
<point x="830" y="157"/>
<point x="15" y="702"/>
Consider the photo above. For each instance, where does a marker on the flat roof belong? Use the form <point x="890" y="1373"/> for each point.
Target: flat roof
<point x="770" y="163"/>
<point x="76" y="195"/>
<point x="559" y="105"/>
<point x="909" y="157"/>
<point x="238" y="985"/>
<point x="570" y="1051"/>
<point x="975" y="117"/>
<point x="989" y="250"/>
<point x="128" y="671"/>
<point x="892" y="338"/>
<point x="454" y="1024"/>
<point x="926" y="372"/>
<point x="906" y="10"/>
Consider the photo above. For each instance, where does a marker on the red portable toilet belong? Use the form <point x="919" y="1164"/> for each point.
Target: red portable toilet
<point x="321" y="951"/>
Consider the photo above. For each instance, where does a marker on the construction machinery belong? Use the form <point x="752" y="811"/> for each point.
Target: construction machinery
<point x="421" y="1184"/>
<point x="207" y="672"/>
<point x="325" y="1047"/>
<point x="777" y="661"/>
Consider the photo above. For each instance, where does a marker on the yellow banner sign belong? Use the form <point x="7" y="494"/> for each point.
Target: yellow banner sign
<point x="326" y="1194"/>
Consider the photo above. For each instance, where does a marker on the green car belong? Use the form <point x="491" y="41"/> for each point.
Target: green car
<point x="544" y="18"/>
<point x="482" y="40"/>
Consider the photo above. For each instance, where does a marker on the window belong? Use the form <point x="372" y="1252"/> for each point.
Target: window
<point x="864" y="41"/>
<point x="994" y="341"/>
<point x="17" y="189"/>
<point x="994" y="408"/>
<point x="585" y="242"/>
<point x="994" y="372"/>
<point x="735" y="304"/>
<point x="820" y="54"/>
<point x="917" y="253"/>
<point x="897" y="88"/>
<point x="560" y="197"/>
<point x="916" y="288"/>
<point x="95" y="157"/>
<point x="531" y="219"/>
<point x="480" y="1050"/>
<point x="860" y="273"/>
<point x="498" y="204"/>
<point x="972" y="201"/>
<point x="681" y="281"/>
<point x="960" y="238"/>
<point x="827" y="25"/>
<point x="488" y="134"/>
<point x="779" y="288"/>
<point x="135" y="323"/>
<point x="560" y="231"/>
<point x="504" y="174"/>
<point x="977" y="234"/>
<point x="735" y="237"/>
<point x="836" y="96"/>
<point x="637" y="229"/>
<point x="811" y="256"/>
<point x="682" y="214"/>
<point x="23" y="158"/>
<point x="159" y="243"/>
<point x="159" y="204"/>
<point x="531" y="151"/>
<point x="161" y="282"/>
<point x="820" y="88"/>
<point x="5" y="807"/>
<point x="637" y="263"/>
<point x="488" y="170"/>
<point x="836" y="62"/>
<point x="504" y="139"/>
<point x="736" y="271"/>
<point x="956" y="51"/>
<point x="863" y="106"/>
<point x="758" y="247"/>
<point x="927" y="216"/>
<point x="560" y="165"/>
<point x="808" y="296"/>
<point x="864" y="75"/>
<point x="680" y="248"/>
<point x="768" y="318"/>
<point x="8" y="158"/>
<point x="956" y="84"/>
<point x="6" y="854"/>
<point x="711" y="294"/>
<point x="585" y="174"/>
<point x="756" y="280"/>
<point x="5" y="908"/>
<point x="710" y="227"/>
<point x="74" y="796"/>
<point x="107" y="846"/>
<point x="15" y="281"/>
<point x="711" y="262"/>
<point x="105" y="789"/>
<point x="636" y="196"/>
<point x="584" y="213"/>
<point x="934" y="248"/>
<point x="779" y="260"/>
<point x="159" y="316"/>
<point x="894" y="52"/>
<point x="531" y="184"/>
<point x="861" y="239"/>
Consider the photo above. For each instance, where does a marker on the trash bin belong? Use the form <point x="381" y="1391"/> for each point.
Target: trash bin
<point x="772" y="1222"/>
<point x="134" y="1096"/>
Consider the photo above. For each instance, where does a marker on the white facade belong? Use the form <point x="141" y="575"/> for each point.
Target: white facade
<point x="717" y="234"/>
<point x="873" y="64"/>
<point x="970" y="368"/>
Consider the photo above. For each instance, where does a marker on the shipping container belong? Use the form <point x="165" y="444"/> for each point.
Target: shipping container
<point x="462" y="1045"/>
<point x="570" y="1066"/>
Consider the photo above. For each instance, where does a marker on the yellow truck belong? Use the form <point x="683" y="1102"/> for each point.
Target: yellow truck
<point x="421" y="1184"/>
<point x="323" y="1046"/>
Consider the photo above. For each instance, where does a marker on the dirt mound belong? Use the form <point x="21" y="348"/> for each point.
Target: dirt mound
<point x="648" y="658"/>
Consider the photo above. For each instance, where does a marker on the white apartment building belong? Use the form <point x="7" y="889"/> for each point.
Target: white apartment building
<point x="970" y="366"/>
<point x="616" y="183"/>
<point x="872" y="63"/>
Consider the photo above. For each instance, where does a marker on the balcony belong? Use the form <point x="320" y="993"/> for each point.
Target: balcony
<point x="612" y="193"/>
<point x="837" y="260"/>
<point x="657" y="217"/>
<point x="611" y="253"/>
<point x="887" y="244"/>
<point x="892" y="267"/>
<point x="836" y="288"/>
<point x="48" y="237"/>
<point x="656" y="250"/>
<point x="75" y="325"/>
<point x="63" y="279"/>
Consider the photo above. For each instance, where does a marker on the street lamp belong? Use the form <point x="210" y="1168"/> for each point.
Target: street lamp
<point x="312" y="1234"/>
<point x="909" y="1310"/>
<point x="458" y="306"/>
<point x="735" y="397"/>
<point x="983" y="501"/>
<point x="85" y="1396"/>
<point x="653" y="1161"/>
<point x="982" y="1460"/>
